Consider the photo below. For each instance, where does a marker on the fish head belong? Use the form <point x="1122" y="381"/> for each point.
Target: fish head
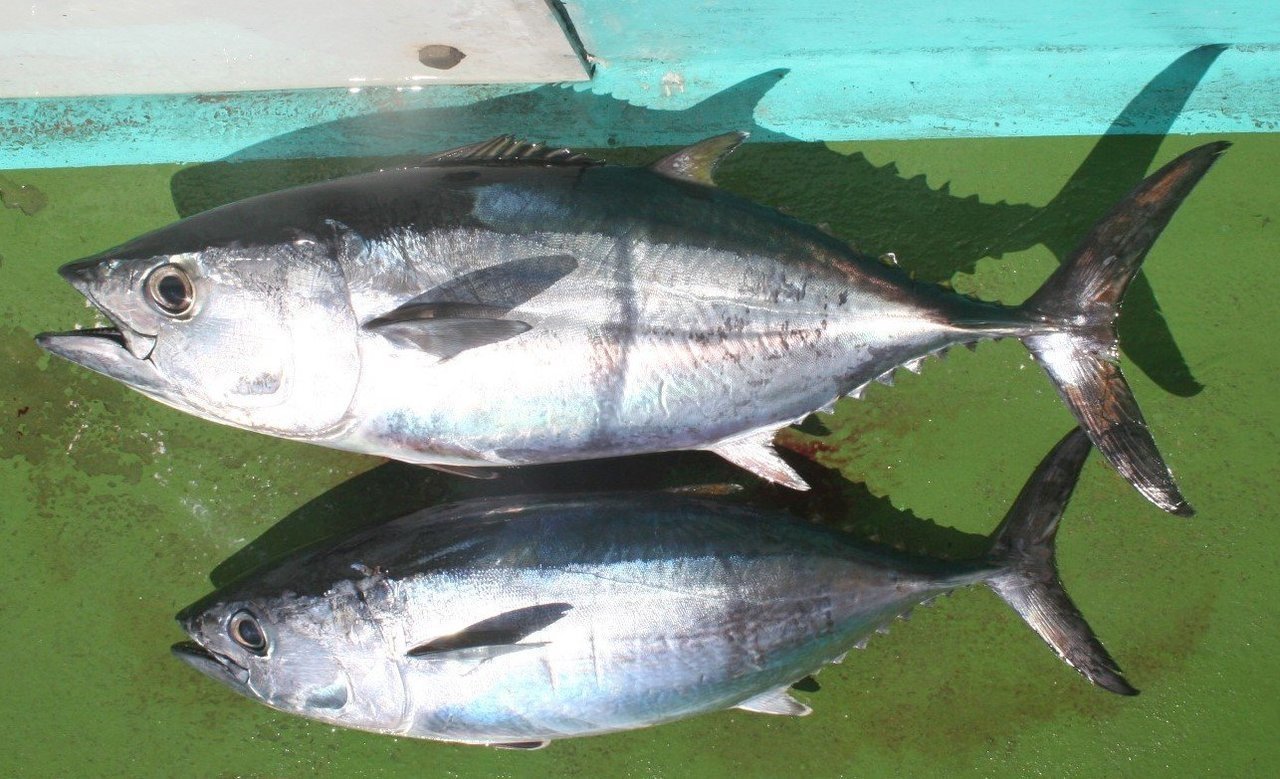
<point x="259" y="337"/>
<point x="298" y="655"/>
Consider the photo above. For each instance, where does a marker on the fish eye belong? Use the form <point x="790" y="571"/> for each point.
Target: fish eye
<point x="169" y="288"/>
<point x="246" y="632"/>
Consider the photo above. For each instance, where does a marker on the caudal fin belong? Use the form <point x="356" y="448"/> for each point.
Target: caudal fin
<point x="1022" y="550"/>
<point x="1081" y="301"/>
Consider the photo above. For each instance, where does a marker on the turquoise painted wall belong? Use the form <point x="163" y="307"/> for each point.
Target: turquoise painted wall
<point x="911" y="69"/>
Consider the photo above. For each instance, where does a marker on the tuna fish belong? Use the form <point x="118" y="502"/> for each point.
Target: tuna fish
<point x="507" y="304"/>
<point x="517" y="621"/>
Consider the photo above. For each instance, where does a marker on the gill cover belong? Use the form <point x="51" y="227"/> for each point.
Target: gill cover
<point x="271" y="341"/>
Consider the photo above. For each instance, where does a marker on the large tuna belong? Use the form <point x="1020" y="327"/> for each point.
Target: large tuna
<point x="506" y="304"/>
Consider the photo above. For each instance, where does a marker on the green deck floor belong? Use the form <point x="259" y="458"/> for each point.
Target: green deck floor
<point x="116" y="509"/>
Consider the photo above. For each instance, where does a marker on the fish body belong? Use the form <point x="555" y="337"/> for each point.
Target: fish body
<point x="517" y="621"/>
<point x="508" y="305"/>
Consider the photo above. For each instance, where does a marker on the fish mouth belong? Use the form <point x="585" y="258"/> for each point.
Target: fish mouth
<point x="213" y="664"/>
<point x="106" y="350"/>
<point x="139" y="346"/>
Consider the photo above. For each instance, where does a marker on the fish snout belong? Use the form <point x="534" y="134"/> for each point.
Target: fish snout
<point x="84" y="275"/>
<point x="92" y="278"/>
<point x="189" y="618"/>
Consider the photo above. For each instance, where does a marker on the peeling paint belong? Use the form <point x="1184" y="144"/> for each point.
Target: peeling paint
<point x="23" y="197"/>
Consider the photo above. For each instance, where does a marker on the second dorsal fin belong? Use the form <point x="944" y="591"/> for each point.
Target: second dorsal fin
<point x="509" y="150"/>
<point x="697" y="163"/>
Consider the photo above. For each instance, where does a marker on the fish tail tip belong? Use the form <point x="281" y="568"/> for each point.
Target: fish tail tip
<point x="1111" y="680"/>
<point x="1124" y="688"/>
<point x="1169" y="501"/>
<point x="1154" y="482"/>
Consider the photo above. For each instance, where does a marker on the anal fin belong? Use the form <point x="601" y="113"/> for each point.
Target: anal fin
<point x="778" y="702"/>
<point x="755" y="453"/>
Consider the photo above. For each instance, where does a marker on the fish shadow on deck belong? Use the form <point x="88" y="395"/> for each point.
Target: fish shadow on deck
<point x="934" y="233"/>
<point x="393" y="490"/>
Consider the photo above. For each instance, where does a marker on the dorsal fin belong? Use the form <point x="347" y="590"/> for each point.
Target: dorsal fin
<point x="509" y="150"/>
<point x="698" y="162"/>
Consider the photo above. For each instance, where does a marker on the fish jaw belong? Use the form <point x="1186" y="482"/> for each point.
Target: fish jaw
<point x="213" y="665"/>
<point x="106" y="351"/>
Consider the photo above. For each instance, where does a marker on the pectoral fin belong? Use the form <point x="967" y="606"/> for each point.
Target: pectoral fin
<point x="503" y="286"/>
<point x="778" y="702"/>
<point x="445" y="337"/>
<point x="755" y="452"/>
<point x="468" y="312"/>
<point x="501" y="631"/>
<point x="472" y="657"/>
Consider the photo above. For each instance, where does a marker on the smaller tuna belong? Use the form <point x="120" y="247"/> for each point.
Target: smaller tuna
<point x="512" y="622"/>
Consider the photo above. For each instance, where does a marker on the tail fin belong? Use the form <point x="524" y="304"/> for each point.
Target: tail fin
<point x="1082" y="298"/>
<point x="1022" y="548"/>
